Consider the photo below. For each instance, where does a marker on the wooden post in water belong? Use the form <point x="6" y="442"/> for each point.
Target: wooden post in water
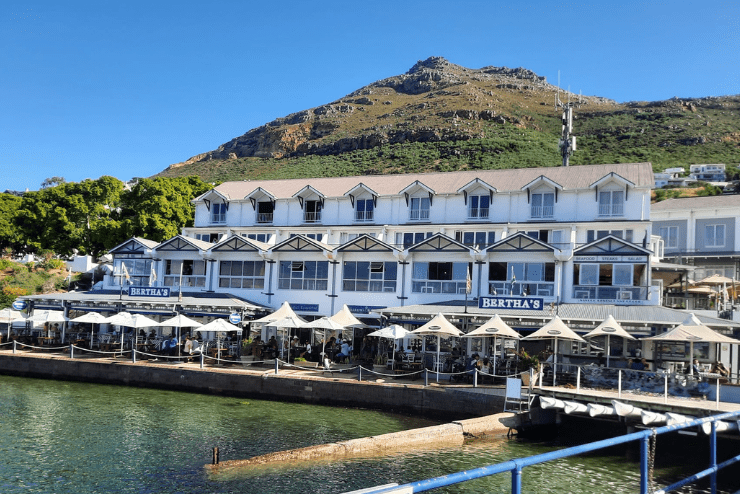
<point x="215" y="455"/>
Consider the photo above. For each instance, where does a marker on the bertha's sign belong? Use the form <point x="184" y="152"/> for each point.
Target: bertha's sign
<point x="149" y="291"/>
<point x="521" y="303"/>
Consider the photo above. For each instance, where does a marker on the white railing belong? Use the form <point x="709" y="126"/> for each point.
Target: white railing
<point x="542" y="211"/>
<point x="312" y="217"/>
<point x="264" y="217"/>
<point x="478" y="213"/>
<point x="364" y="215"/>
<point x="419" y="215"/>
<point x="218" y="218"/>
<point x="611" y="209"/>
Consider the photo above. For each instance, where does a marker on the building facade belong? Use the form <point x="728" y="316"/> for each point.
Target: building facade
<point x="577" y="234"/>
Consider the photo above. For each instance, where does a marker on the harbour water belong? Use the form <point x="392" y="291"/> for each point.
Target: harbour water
<point x="62" y="437"/>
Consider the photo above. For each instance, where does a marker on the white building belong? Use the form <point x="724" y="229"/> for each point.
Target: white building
<point x="562" y="235"/>
<point x="708" y="173"/>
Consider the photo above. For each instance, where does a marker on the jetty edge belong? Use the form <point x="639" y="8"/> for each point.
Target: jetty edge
<point x="451" y="434"/>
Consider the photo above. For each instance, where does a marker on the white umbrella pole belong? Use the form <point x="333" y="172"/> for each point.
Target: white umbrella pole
<point x="437" y="369"/>
<point x="495" y="357"/>
<point x="555" y="363"/>
<point x="178" y="342"/>
<point x="691" y="358"/>
<point x="608" y="350"/>
<point x="393" y="358"/>
<point x="92" y="335"/>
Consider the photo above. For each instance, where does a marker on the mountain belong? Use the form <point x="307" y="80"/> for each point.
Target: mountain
<point x="441" y="117"/>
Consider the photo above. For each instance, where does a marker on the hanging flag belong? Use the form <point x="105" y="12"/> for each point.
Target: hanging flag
<point x="513" y="276"/>
<point x="468" y="282"/>
<point x="124" y="270"/>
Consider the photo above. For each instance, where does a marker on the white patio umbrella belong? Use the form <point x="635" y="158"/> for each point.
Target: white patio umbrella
<point x="93" y="318"/>
<point x="345" y="317"/>
<point x="494" y="327"/>
<point x="48" y="316"/>
<point x="286" y="323"/>
<point x="609" y="327"/>
<point x="137" y="321"/>
<point x="439" y="325"/>
<point x="324" y="323"/>
<point x="180" y="321"/>
<point x="118" y="320"/>
<point x="693" y="330"/>
<point x="219" y="326"/>
<point x="9" y="315"/>
<point x="393" y="332"/>
<point x="555" y="329"/>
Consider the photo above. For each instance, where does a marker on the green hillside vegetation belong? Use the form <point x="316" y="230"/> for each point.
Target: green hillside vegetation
<point x="18" y="279"/>
<point x="443" y="117"/>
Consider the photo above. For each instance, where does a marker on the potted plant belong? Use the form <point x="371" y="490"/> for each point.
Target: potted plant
<point x="525" y="363"/>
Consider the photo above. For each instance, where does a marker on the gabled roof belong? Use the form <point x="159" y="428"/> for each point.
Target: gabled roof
<point x="213" y="192"/>
<point x="183" y="244"/>
<point x="507" y="180"/>
<point x="473" y="184"/>
<point x="357" y="189"/>
<point x="237" y="243"/>
<point x="440" y="242"/>
<point x="520" y="242"/>
<point x="259" y="192"/>
<point x="611" y="245"/>
<point x="414" y="186"/>
<point x="543" y="180"/>
<point x="301" y="243"/>
<point x="615" y="177"/>
<point x="308" y="190"/>
<point x="134" y="245"/>
<point x="366" y="243"/>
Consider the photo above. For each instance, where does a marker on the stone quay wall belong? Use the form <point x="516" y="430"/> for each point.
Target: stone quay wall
<point x="447" y="403"/>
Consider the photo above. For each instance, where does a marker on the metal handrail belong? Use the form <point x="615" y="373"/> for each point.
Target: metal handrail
<point x="515" y="466"/>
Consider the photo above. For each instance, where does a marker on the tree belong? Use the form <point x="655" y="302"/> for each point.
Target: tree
<point x="158" y="209"/>
<point x="10" y="237"/>
<point x="52" y="182"/>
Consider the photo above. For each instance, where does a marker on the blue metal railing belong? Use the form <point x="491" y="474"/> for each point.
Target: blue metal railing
<point x="516" y="466"/>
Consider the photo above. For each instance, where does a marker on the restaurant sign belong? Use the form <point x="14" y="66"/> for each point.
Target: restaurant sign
<point x="305" y="307"/>
<point x="364" y="309"/>
<point x="149" y="291"/>
<point x="19" y="304"/>
<point x="521" y="303"/>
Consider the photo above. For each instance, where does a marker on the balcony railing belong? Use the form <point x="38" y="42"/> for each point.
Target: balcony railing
<point x="478" y="214"/>
<point x="264" y="217"/>
<point x="194" y="281"/>
<point x="542" y="211"/>
<point x="419" y="215"/>
<point x="364" y="216"/>
<point x="218" y="218"/>
<point x="610" y="293"/>
<point x="530" y="288"/>
<point x="314" y="217"/>
<point x="611" y="209"/>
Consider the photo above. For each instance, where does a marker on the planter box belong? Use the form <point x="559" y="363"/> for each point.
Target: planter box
<point x="525" y="378"/>
<point x="247" y="360"/>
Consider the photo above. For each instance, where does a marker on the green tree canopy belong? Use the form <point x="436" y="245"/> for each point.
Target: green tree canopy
<point x="10" y="237"/>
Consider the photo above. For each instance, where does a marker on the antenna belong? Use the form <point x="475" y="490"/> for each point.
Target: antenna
<point x="567" y="143"/>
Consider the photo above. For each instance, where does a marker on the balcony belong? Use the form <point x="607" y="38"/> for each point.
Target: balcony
<point x="611" y="209"/>
<point x="363" y="216"/>
<point x="264" y="217"/>
<point x="542" y="211"/>
<point x="419" y="215"/>
<point x="530" y="288"/>
<point x="478" y="214"/>
<point x="612" y="294"/>
<point x="312" y="217"/>
<point x="187" y="281"/>
<point x="218" y="218"/>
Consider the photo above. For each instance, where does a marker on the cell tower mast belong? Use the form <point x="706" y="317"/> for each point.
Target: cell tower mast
<point x="567" y="142"/>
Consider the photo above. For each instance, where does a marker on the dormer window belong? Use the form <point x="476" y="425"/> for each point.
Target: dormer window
<point x="478" y="207"/>
<point x="419" y="208"/>
<point x="312" y="212"/>
<point x="543" y="205"/>
<point x="611" y="203"/>
<point x="364" y="209"/>
<point x="218" y="212"/>
<point x="265" y="211"/>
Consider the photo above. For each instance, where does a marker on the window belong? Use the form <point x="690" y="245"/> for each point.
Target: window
<point x="241" y="274"/>
<point x="139" y="271"/>
<point x="303" y="275"/>
<point x="522" y="278"/>
<point x="419" y="209"/>
<point x="481" y="239"/>
<point x="312" y="212"/>
<point x="208" y="237"/>
<point x="478" y="207"/>
<point x="670" y="236"/>
<point x="610" y="281"/>
<point x="592" y="235"/>
<point x="611" y="203"/>
<point x="364" y="209"/>
<point x="714" y="235"/>
<point x="407" y="239"/>
<point x="319" y="237"/>
<point x="589" y="274"/>
<point x="364" y="276"/>
<point x="190" y="272"/>
<point x="543" y="235"/>
<point x="265" y="210"/>
<point x="218" y="212"/>
<point x="440" y="277"/>
<point x="259" y="237"/>
<point x="543" y="205"/>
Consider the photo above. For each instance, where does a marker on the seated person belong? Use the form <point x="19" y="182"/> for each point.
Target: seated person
<point x="693" y="368"/>
<point x="345" y="351"/>
<point x="719" y="368"/>
<point x="473" y="364"/>
<point x="637" y="365"/>
<point x="306" y="353"/>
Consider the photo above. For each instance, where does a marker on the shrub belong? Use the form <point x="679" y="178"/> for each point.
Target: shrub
<point x="5" y="264"/>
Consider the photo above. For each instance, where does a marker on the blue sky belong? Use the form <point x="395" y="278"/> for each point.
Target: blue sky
<point x="92" y="88"/>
